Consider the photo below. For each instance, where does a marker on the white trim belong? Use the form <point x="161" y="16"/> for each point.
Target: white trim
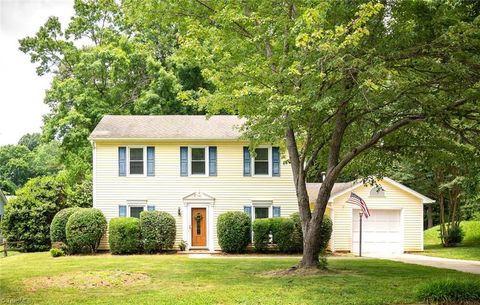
<point x="94" y="175"/>
<point x="422" y="229"/>
<point x="136" y="204"/>
<point x="332" y="238"/>
<point x="269" y="207"/>
<point x="395" y="183"/>
<point x="207" y="161"/>
<point x="144" y="150"/>
<point x="187" y="227"/>
<point x="425" y="199"/>
<point x="252" y="165"/>
<point x="198" y="200"/>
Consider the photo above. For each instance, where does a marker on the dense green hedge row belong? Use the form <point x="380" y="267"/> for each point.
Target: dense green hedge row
<point x="80" y="230"/>
<point x="283" y="234"/>
<point x="154" y="232"/>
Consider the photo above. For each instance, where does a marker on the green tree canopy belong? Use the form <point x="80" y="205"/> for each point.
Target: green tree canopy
<point x="104" y="63"/>
<point x="332" y="79"/>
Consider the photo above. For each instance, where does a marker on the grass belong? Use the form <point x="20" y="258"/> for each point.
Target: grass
<point x="37" y="278"/>
<point x="469" y="249"/>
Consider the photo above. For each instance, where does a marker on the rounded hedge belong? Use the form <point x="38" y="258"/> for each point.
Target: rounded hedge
<point x="59" y="222"/>
<point x="124" y="235"/>
<point x="285" y="235"/>
<point x="261" y="233"/>
<point x="325" y="233"/>
<point x="233" y="230"/>
<point x="158" y="230"/>
<point x="84" y="230"/>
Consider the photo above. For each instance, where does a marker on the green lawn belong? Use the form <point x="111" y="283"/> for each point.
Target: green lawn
<point x="469" y="249"/>
<point x="37" y="278"/>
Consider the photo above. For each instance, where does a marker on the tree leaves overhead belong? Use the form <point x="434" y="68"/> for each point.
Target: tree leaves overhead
<point x="104" y="62"/>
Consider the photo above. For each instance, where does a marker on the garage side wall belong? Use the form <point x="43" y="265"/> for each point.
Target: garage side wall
<point x="395" y="198"/>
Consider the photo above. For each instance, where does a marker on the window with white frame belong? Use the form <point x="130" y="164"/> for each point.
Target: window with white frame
<point x="198" y="163"/>
<point x="261" y="212"/>
<point x="135" y="211"/>
<point x="261" y="162"/>
<point x="136" y="160"/>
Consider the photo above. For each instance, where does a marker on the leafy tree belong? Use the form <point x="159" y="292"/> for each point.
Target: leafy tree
<point x="333" y="79"/>
<point x="104" y="62"/>
<point x="18" y="164"/>
<point x="15" y="167"/>
<point x="81" y="194"/>
<point x="30" y="140"/>
<point x="28" y="216"/>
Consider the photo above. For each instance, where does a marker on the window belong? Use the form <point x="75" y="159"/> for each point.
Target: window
<point x="261" y="161"/>
<point x="261" y="212"/>
<point x="136" y="161"/>
<point x="377" y="191"/>
<point x="198" y="164"/>
<point x="135" y="211"/>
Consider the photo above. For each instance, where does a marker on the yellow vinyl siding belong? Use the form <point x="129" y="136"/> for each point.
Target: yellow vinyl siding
<point x="166" y="190"/>
<point x="395" y="198"/>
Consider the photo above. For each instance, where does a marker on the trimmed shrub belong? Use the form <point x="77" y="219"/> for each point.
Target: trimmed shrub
<point x="158" y="230"/>
<point x="84" y="230"/>
<point x="55" y="252"/>
<point x="261" y="233"/>
<point x="59" y="222"/>
<point x="450" y="291"/>
<point x="124" y="235"/>
<point x="284" y="235"/>
<point x="27" y="217"/>
<point x="325" y="232"/>
<point x="233" y="230"/>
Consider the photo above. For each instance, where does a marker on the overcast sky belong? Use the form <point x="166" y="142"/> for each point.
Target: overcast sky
<point x="21" y="90"/>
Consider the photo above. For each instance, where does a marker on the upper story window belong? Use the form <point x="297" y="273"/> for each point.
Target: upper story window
<point x="136" y="161"/>
<point x="261" y="161"/>
<point x="377" y="191"/>
<point x="199" y="160"/>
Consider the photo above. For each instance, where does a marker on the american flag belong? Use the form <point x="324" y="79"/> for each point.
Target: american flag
<point x="357" y="200"/>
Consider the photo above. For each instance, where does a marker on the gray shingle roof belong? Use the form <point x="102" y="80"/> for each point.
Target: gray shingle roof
<point x="219" y="127"/>
<point x="314" y="188"/>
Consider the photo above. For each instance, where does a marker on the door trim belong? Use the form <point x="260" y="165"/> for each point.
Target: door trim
<point x="187" y="227"/>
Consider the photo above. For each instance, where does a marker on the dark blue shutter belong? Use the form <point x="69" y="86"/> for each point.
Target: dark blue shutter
<point x="275" y="161"/>
<point x="183" y="161"/>
<point x="150" y="208"/>
<point x="248" y="209"/>
<point x="247" y="162"/>
<point x="150" y="161"/>
<point x="212" y="161"/>
<point x="122" y="211"/>
<point x="122" y="161"/>
<point x="276" y="211"/>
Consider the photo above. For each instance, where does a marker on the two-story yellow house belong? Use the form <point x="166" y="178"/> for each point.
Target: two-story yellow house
<point x="196" y="168"/>
<point x="186" y="165"/>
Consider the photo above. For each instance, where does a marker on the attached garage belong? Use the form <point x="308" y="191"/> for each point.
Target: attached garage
<point x="381" y="232"/>
<point x="395" y="224"/>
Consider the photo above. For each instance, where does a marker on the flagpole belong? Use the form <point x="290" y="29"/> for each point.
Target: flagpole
<point x="360" y="242"/>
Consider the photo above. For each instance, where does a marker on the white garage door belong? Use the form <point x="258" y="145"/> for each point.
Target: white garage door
<point x="381" y="232"/>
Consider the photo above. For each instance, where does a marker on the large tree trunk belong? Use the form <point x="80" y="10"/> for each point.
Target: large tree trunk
<point x="429" y="216"/>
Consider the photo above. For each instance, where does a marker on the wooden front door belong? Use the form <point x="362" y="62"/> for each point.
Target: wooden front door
<point x="199" y="227"/>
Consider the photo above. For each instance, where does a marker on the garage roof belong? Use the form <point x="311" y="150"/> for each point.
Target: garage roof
<point x="342" y="188"/>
